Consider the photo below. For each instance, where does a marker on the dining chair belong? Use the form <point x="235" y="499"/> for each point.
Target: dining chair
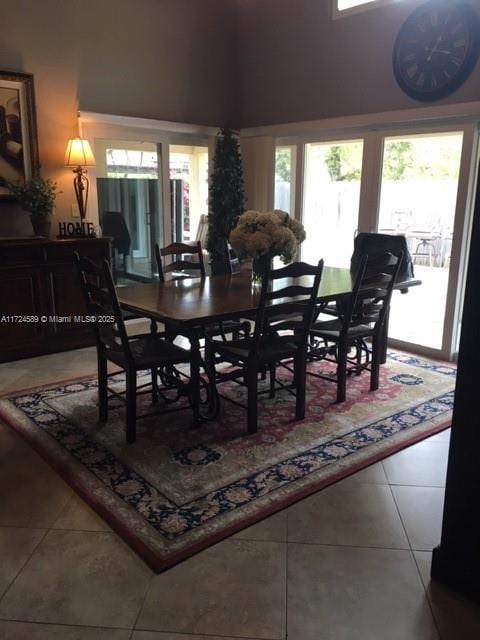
<point x="196" y="269"/>
<point x="282" y="323"/>
<point x="180" y="267"/>
<point x="361" y="316"/>
<point x="131" y="354"/>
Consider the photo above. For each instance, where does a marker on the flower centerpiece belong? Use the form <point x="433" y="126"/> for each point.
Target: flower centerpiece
<point x="37" y="196"/>
<point x="262" y="236"/>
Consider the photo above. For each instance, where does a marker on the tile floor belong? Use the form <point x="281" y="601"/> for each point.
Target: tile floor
<point x="350" y="563"/>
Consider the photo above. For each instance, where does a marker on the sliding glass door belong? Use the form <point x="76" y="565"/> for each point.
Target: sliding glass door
<point x="418" y="183"/>
<point x="130" y="205"/>
<point x="333" y="173"/>
<point x="188" y="191"/>
<point x="419" y="188"/>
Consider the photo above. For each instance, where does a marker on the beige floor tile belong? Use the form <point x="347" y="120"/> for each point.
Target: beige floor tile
<point x="344" y="593"/>
<point x="33" y="631"/>
<point x="84" y="578"/>
<point x="443" y="436"/>
<point x="31" y="493"/>
<point x="16" y="546"/>
<point x="43" y="370"/>
<point x="374" y="474"/>
<point x="236" y="588"/>
<point x="273" y="529"/>
<point x="456" y="617"/>
<point x="421" y="510"/>
<point x="423" y="465"/>
<point x="361" y="515"/>
<point x="78" y="516"/>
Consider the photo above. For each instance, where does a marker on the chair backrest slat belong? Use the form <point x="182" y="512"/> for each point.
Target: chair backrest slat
<point x="177" y="250"/>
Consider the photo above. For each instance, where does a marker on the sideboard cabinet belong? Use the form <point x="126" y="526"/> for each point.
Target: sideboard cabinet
<point x="38" y="279"/>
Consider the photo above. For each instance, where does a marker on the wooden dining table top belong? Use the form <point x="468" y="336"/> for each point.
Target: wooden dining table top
<point x="197" y="301"/>
<point x="194" y="301"/>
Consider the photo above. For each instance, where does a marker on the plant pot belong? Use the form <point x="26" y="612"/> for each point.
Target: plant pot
<point x="41" y="227"/>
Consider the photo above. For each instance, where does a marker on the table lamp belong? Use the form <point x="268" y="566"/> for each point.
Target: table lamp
<point x="79" y="155"/>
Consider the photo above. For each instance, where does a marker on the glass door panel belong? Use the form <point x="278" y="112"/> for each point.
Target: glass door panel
<point x="285" y="166"/>
<point x="418" y="198"/>
<point x="188" y="191"/>
<point x="333" y="173"/>
<point x="129" y="203"/>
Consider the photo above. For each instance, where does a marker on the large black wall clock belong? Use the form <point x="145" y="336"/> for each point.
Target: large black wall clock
<point x="436" y="49"/>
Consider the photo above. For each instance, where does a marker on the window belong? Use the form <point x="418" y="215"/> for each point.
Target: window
<point x="347" y="7"/>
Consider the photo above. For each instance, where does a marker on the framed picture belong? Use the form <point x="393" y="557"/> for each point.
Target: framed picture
<point x="19" y="159"/>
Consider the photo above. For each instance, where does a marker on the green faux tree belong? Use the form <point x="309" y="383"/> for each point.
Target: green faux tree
<point x="227" y="198"/>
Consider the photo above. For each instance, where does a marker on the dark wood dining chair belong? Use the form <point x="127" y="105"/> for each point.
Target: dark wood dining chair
<point x="131" y="353"/>
<point x="182" y="265"/>
<point x="361" y="316"/>
<point x="282" y="324"/>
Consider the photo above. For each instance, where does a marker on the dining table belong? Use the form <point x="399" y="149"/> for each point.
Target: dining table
<point x="187" y="306"/>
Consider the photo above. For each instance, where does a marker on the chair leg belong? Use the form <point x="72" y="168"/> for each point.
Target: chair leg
<point x="375" y="365"/>
<point x="102" y="389"/>
<point x="342" y="352"/>
<point x="300" y="367"/>
<point x="252" y="386"/>
<point x="154" y="386"/>
<point x="131" y="427"/>
<point x="273" y="370"/>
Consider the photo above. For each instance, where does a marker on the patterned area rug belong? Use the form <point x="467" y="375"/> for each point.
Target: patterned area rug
<point x="181" y="488"/>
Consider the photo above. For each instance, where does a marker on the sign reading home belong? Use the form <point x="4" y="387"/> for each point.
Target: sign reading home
<point x="76" y="230"/>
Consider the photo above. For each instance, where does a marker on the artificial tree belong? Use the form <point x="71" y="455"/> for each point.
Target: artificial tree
<point x="227" y="199"/>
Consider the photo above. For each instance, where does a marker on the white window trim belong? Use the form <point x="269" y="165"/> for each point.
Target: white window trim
<point x="374" y="4"/>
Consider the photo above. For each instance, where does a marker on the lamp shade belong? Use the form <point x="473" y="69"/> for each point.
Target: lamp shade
<point x="79" y="153"/>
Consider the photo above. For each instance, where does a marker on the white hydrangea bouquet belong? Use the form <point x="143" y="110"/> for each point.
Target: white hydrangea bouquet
<point x="262" y="236"/>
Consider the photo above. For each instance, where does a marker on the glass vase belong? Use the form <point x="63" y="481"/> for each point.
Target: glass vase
<point x="259" y="267"/>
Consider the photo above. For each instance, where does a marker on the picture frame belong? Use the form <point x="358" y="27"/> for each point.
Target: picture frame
<point x="19" y="158"/>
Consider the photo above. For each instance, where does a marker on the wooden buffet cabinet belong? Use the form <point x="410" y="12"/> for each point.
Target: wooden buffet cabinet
<point x="38" y="277"/>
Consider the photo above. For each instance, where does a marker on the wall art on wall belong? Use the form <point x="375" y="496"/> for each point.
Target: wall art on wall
<point x="19" y="159"/>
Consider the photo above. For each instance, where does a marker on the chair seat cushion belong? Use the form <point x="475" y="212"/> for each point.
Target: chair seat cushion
<point x="149" y="351"/>
<point x="330" y="330"/>
<point x="271" y="349"/>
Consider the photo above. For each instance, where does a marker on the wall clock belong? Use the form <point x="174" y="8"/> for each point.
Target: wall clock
<point x="436" y="49"/>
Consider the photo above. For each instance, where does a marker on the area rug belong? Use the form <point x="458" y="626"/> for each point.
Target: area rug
<point x="181" y="488"/>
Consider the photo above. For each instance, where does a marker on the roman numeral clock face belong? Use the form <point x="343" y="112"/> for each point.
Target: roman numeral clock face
<point x="436" y="49"/>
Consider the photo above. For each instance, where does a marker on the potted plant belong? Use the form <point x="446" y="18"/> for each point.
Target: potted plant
<point x="262" y="236"/>
<point x="37" y="196"/>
